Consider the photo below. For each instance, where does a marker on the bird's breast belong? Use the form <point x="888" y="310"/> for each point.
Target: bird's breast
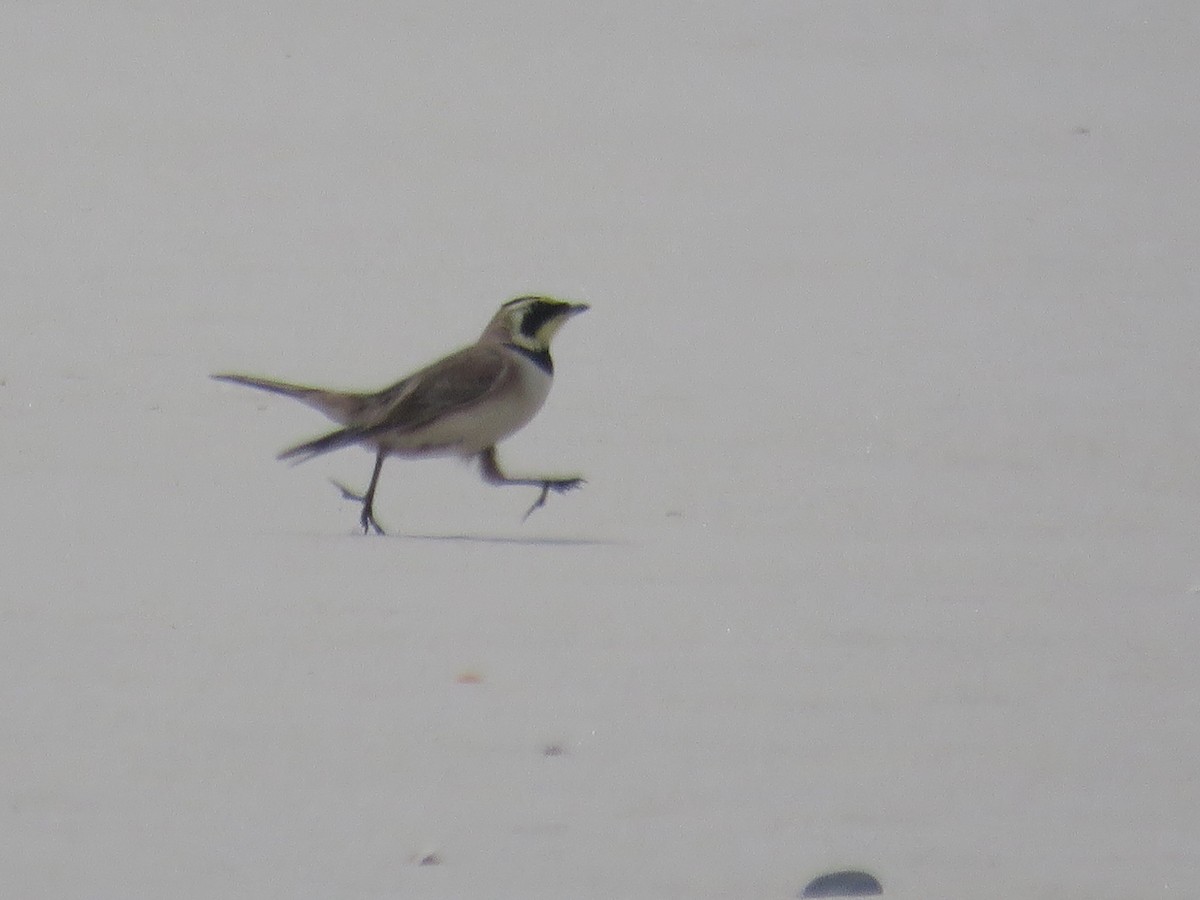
<point x="511" y="408"/>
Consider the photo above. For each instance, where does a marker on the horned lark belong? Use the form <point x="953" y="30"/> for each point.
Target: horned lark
<point x="461" y="405"/>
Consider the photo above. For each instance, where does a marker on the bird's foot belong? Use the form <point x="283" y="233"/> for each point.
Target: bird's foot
<point x="558" y="485"/>
<point x="346" y="493"/>
<point x="367" y="519"/>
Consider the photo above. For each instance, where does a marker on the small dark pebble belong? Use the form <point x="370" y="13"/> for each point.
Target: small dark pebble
<point x="843" y="884"/>
<point x="430" y="859"/>
<point x="554" y="750"/>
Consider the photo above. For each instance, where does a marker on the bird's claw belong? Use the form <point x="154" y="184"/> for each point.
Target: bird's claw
<point x="347" y="494"/>
<point x="559" y="486"/>
<point x="367" y="519"/>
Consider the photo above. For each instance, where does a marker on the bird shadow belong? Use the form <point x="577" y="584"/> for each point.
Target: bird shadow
<point x="495" y="539"/>
<point x="507" y="539"/>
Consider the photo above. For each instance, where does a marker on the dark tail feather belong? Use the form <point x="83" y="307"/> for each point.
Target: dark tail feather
<point x="343" y="437"/>
<point x="267" y="384"/>
<point x="341" y="406"/>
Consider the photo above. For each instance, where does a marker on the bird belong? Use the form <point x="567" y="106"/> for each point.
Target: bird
<point x="462" y="405"/>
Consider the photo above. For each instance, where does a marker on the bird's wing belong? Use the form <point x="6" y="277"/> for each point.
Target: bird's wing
<point x="450" y="385"/>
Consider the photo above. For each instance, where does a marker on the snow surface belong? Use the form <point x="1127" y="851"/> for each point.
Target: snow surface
<point x="887" y="405"/>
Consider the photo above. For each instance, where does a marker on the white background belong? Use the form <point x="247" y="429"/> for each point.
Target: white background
<point x="887" y="404"/>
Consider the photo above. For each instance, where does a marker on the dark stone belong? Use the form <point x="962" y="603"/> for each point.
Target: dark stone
<point x="843" y="884"/>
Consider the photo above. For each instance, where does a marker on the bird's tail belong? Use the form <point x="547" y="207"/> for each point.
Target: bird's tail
<point x="335" y="440"/>
<point x="340" y="406"/>
<point x="266" y="384"/>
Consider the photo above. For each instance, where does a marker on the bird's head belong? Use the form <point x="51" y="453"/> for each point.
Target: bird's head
<point x="531" y="322"/>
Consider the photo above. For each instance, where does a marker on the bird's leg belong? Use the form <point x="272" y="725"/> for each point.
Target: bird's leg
<point x="490" y="468"/>
<point x="367" y="519"/>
